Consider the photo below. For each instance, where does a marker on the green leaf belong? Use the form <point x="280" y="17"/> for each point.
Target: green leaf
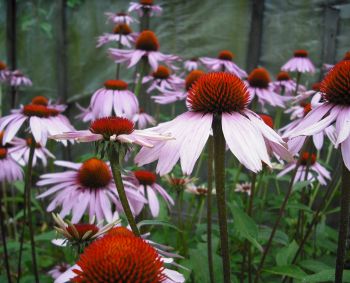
<point x="245" y="226"/>
<point x="157" y="222"/>
<point x="285" y="255"/>
<point x="325" y="276"/>
<point x="287" y="270"/>
<point x="280" y="237"/>
<point x="300" y="185"/>
<point x="313" y="265"/>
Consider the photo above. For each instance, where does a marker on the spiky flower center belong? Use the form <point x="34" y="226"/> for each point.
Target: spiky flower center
<point x="145" y="177"/>
<point x="316" y="86"/>
<point x="202" y="191"/>
<point x="347" y="56"/>
<point x="147" y="41"/>
<point x="146" y="2"/>
<point x="308" y="158"/>
<point x="192" y="77"/>
<point x="259" y="78"/>
<point x="82" y="231"/>
<point x="40" y="100"/>
<point x="226" y="55"/>
<point x="3" y="153"/>
<point x="119" y="259"/>
<point x="116" y="85"/>
<point x="38" y="110"/>
<point x="161" y="73"/>
<point x="218" y="93"/>
<point x="307" y="108"/>
<point x="120" y="231"/>
<point x="283" y="76"/>
<point x="109" y="126"/>
<point x="2" y="66"/>
<point x="123" y="29"/>
<point x="267" y="120"/>
<point x="301" y="53"/>
<point x="336" y="84"/>
<point x="94" y="174"/>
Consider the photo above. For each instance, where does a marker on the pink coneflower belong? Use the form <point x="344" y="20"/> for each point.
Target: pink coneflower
<point x="142" y="119"/>
<point x="121" y="33"/>
<point x="145" y="6"/>
<point x="115" y="129"/>
<point x="179" y="183"/>
<point x="224" y="63"/>
<point x="244" y="188"/>
<point x="145" y="182"/>
<point x="43" y="120"/>
<point x="10" y="170"/>
<point x="306" y="94"/>
<point x="120" y="255"/>
<point x="161" y="79"/>
<point x="113" y="99"/>
<point x="335" y="88"/>
<point x="259" y="85"/>
<point x="4" y="72"/>
<point x="169" y="96"/>
<point x="285" y="84"/>
<point x="119" y="18"/>
<point x="224" y="96"/>
<point x="197" y="190"/>
<point x="20" y="151"/>
<point x="315" y="171"/>
<point x="87" y="187"/>
<point x="58" y="270"/>
<point x="147" y="46"/>
<point x="296" y="143"/>
<point x="18" y="79"/>
<point x="299" y="63"/>
<point x="191" y="64"/>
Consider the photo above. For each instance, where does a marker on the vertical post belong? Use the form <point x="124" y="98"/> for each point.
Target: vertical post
<point x="11" y="42"/>
<point x="331" y="19"/>
<point x="255" y="35"/>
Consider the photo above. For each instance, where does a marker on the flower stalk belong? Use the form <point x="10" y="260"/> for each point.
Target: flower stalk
<point x="219" y="167"/>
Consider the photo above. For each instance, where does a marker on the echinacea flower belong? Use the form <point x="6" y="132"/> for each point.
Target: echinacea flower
<point x="244" y="188"/>
<point x="17" y="79"/>
<point x="147" y="47"/>
<point x="142" y="119"/>
<point x="20" y="151"/>
<point x="197" y="190"/>
<point x="10" y="170"/>
<point x="259" y="85"/>
<point x="116" y="129"/>
<point x="170" y="96"/>
<point x="224" y="63"/>
<point x="120" y="18"/>
<point x="121" y="33"/>
<point x="296" y="143"/>
<point x="58" y="270"/>
<point x="4" y="72"/>
<point x="161" y="79"/>
<point x="335" y="108"/>
<point x="145" y="6"/>
<point x="179" y="183"/>
<point x="43" y="120"/>
<point x="87" y="187"/>
<point x="315" y="171"/>
<point x="113" y="99"/>
<point x="306" y="94"/>
<point x="286" y="85"/>
<point x="299" y="63"/>
<point x="145" y="181"/>
<point x="191" y="64"/>
<point x="115" y="257"/>
<point x="224" y="96"/>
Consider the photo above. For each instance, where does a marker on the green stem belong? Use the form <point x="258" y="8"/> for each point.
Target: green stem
<point x="250" y="213"/>
<point x="28" y="211"/>
<point x="116" y="171"/>
<point x="219" y="161"/>
<point x="209" y="217"/>
<point x="343" y="224"/>
<point x="280" y="214"/>
<point x="298" y="83"/>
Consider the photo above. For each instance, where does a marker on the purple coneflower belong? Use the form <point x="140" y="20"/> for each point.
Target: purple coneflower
<point x="221" y="96"/>
<point x="87" y="187"/>
<point x="145" y="6"/>
<point x="224" y="63"/>
<point x="191" y="64"/>
<point x="58" y="270"/>
<point x="299" y="63"/>
<point x="18" y="79"/>
<point x="120" y="18"/>
<point x="244" y="188"/>
<point x="286" y="85"/>
<point x="4" y="72"/>
<point x="147" y="46"/>
<point x="121" y="33"/>
<point x="10" y="170"/>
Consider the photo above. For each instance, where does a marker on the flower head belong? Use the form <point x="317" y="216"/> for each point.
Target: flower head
<point x="147" y="41"/>
<point x="18" y="79"/>
<point x="145" y="7"/>
<point x="10" y="170"/>
<point x="244" y="188"/>
<point x="120" y="18"/>
<point x="58" y="270"/>
<point x="4" y="72"/>
<point x="299" y="63"/>
<point x="121" y="33"/>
